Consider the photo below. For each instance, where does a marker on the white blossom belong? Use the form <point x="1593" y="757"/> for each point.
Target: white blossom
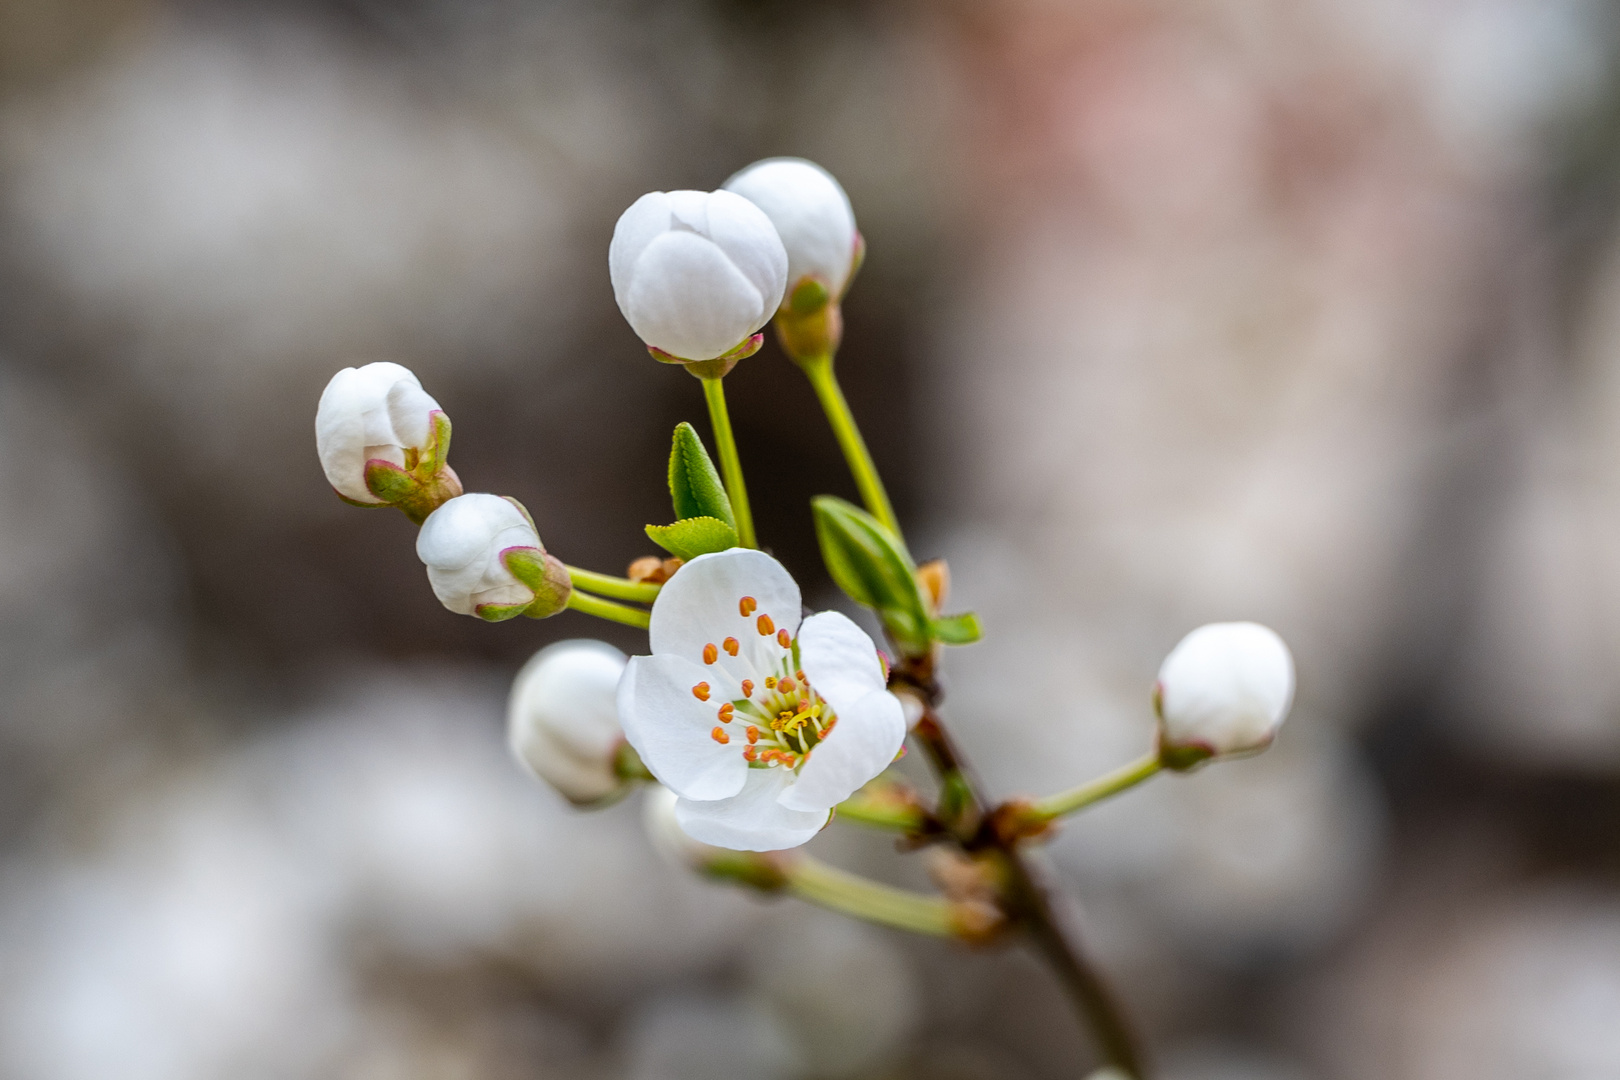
<point x="562" y="719"/>
<point x="461" y="544"/>
<point x="759" y="724"/>
<point x="370" y="413"/>
<point x="1225" y="689"/>
<point x="811" y="214"/>
<point x="696" y="273"/>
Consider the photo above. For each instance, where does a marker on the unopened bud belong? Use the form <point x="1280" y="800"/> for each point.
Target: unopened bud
<point x="817" y="226"/>
<point x="484" y="558"/>
<point x="935" y="578"/>
<point x="697" y="274"/>
<point x="1225" y="689"/>
<point x="563" y="724"/>
<point x="383" y="441"/>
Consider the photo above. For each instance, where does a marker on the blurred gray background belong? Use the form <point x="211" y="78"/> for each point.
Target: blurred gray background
<point x="1304" y="312"/>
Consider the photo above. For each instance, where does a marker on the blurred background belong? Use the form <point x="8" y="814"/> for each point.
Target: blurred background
<point x="1303" y="311"/>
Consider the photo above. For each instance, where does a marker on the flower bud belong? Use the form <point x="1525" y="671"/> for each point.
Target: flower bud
<point x="383" y="441"/>
<point x="817" y="226"/>
<point x="812" y="215"/>
<point x="563" y="723"/>
<point x="1224" y="689"/>
<point x="697" y="274"/>
<point x="484" y="558"/>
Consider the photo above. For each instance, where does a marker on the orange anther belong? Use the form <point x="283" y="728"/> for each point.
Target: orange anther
<point x="804" y="706"/>
<point x="710" y="653"/>
<point x="800" y="676"/>
<point x="766" y="627"/>
<point x="783" y="640"/>
<point x="719" y="735"/>
<point x="753" y="734"/>
<point x="749" y="753"/>
<point x="701" y="691"/>
<point x="730" y="645"/>
<point x="748" y="688"/>
<point x="747" y="605"/>
<point x="725" y="712"/>
<point x="786" y="685"/>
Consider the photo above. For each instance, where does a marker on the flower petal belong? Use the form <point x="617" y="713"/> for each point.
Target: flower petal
<point x="647" y="219"/>
<point x="699" y="607"/>
<point x="811" y="214"/>
<point x="745" y="233"/>
<point x="863" y="743"/>
<point x="840" y="660"/>
<point x="669" y="728"/>
<point x="688" y="299"/>
<point x="754" y="820"/>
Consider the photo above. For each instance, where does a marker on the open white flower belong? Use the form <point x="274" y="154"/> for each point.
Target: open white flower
<point x="484" y="558"/>
<point x="811" y="214"/>
<point x="696" y="273"/>
<point x="378" y="412"/>
<point x="562" y="719"/>
<point x="761" y="725"/>
<point x="1225" y="689"/>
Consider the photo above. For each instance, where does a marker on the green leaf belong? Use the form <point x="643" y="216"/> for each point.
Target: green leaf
<point x="873" y="567"/>
<point x="963" y="629"/>
<point x="694" y="483"/>
<point x="691" y="537"/>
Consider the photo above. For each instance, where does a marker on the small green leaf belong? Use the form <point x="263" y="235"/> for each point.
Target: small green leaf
<point x="691" y="537"/>
<point x="963" y="629"/>
<point x="873" y="567"/>
<point x="694" y="483"/>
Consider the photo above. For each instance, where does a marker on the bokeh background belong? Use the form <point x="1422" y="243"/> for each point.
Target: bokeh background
<point x="1304" y="311"/>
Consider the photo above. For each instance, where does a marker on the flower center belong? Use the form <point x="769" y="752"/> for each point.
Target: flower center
<point x="779" y="719"/>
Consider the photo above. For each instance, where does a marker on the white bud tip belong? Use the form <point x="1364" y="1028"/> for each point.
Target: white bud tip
<point x="1225" y="689"/>
<point x="562" y="720"/>
<point x="811" y="214"/>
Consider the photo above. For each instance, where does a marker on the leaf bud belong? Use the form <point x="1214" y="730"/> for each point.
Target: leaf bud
<point x="697" y="274"/>
<point x="653" y="570"/>
<point x="562" y="721"/>
<point x="383" y="440"/>
<point x="1224" y="690"/>
<point x="484" y="558"/>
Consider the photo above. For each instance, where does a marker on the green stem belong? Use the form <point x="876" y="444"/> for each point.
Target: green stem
<point x="819" y="369"/>
<point x="815" y="881"/>
<point x="882" y="813"/>
<point x="1121" y="779"/>
<point x="607" y="609"/>
<point x="619" y="588"/>
<point x="714" y="392"/>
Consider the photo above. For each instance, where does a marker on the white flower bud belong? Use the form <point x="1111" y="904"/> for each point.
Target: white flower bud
<point x="811" y="214"/>
<point x="696" y="273"/>
<point x="563" y="723"/>
<point x="1224" y="689"/>
<point x="374" y="413"/>
<point x="462" y="543"/>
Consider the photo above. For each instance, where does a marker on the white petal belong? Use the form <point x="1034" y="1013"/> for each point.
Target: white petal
<point x="647" y="219"/>
<point x="745" y="233"/>
<point x="460" y="544"/>
<point x="410" y="409"/>
<point x="1226" y="687"/>
<point x="688" y="299"/>
<point x="868" y="734"/>
<point x="690" y="210"/>
<point x="754" y="820"/>
<point x="811" y="214"/>
<point x="839" y="659"/>
<point x="699" y="607"/>
<point x="352" y="419"/>
<point x="669" y="728"/>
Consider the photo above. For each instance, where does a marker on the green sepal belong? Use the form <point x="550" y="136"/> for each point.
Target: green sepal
<point x="1184" y="758"/>
<point x="543" y="573"/>
<point x="874" y="569"/>
<point x="389" y="482"/>
<point x="694" y="483"/>
<point x="963" y="629"/>
<point x="439" y="448"/>
<point x="499" y="612"/>
<point x="809" y="296"/>
<point x="691" y="537"/>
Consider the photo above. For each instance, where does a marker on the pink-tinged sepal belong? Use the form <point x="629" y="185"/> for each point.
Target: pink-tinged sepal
<point x="499" y="612"/>
<point x="542" y="573"/>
